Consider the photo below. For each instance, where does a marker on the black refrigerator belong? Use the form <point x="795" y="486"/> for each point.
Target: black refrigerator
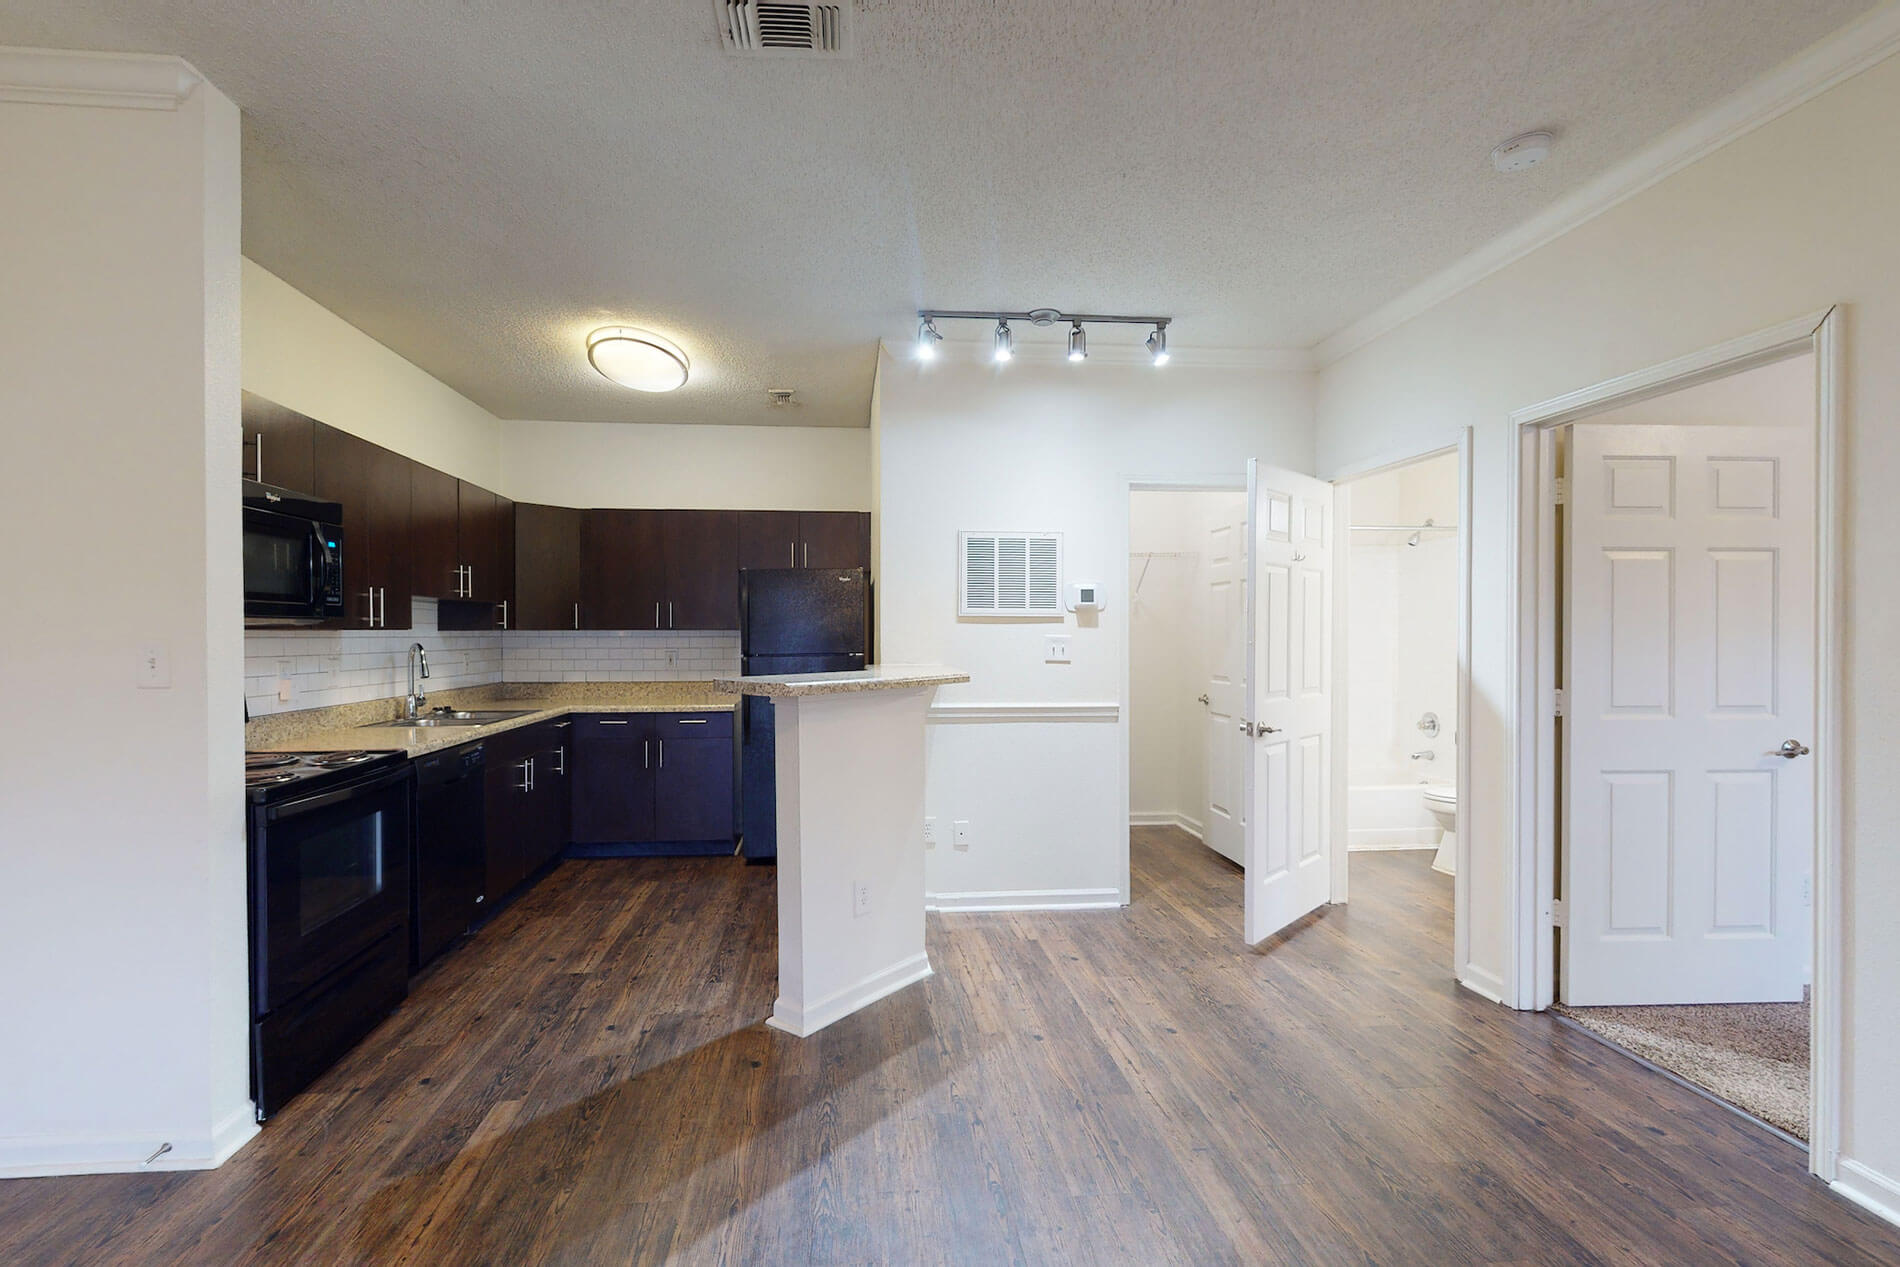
<point x="791" y="620"/>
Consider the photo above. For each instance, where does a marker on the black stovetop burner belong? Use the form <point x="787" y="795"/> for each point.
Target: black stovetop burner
<point x="267" y="772"/>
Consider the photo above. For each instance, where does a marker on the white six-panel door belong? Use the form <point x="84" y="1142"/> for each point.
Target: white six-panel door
<point x="1289" y="700"/>
<point x="1224" y="572"/>
<point x="1691" y="644"/>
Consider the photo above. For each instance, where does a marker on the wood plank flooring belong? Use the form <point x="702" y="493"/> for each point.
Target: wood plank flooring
<point x="588" y="1081"/>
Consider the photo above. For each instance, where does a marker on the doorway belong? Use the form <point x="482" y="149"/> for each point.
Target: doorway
<point x="1186" y="643"/>
<point x="1676" y="566"/>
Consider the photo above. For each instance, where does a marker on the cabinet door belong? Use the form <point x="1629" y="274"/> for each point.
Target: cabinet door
<point x="504" y="563"/>
<point x="612" y="788"/>
<point x="435" y="517"/>
<point x="372" y="484"/>
<point x="693" y="775"/>
<point x="547" y="567"/>
<point x="510" y="804"/>
<point x="279" y="445"/>
<point x="768" y="539"/>
<point x="479" y="534"/>
<point x="554" y="782"/>
<point x="834" y="539"/>
<point x="622" y="569"/>
<point x="702" y="569"/>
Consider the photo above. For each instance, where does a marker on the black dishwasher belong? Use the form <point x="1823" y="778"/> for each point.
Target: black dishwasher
<point x="451" y="856"/>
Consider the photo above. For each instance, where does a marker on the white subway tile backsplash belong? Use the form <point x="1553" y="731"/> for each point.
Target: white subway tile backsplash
<point x="626" y="656"/>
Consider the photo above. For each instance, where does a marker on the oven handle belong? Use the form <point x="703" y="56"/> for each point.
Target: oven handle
<point x="290" y="809"/>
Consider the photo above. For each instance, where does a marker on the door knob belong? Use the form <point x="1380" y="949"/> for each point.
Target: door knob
<point x="1203" y="699"/>
<point x="1259" y="731"/>
<point x="1792" y="748"/>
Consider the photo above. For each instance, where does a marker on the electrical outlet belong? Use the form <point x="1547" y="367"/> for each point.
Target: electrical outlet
<point x="962" y="826"/>
<point x="860" y="898"/>
<point x="286" y="690"/>
<point x="1807" y="890"/>
<point x="930" y="833"/>
<point x="1058" y="651"/>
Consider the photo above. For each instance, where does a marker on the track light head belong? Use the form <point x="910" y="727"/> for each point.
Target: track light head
<point x="1005" y="343"/>
<point x="927" y="339"/>
<point x="1078" y="343"/>
<point x="1158" y="345"/>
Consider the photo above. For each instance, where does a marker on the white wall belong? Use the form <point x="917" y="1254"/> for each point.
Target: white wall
<point x="1789" y="218"/>
<point x="1168" y="645"/>
<point x="687" y="467"/>
<point x="122" y="928"/>
<point x="1041" y="444"/>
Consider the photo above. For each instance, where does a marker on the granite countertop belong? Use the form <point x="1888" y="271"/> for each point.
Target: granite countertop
<point x="881" y="677"/>
<point x="348" y="726"/>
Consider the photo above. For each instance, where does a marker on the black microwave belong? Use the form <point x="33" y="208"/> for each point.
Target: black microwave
<point x="293" y="557"/>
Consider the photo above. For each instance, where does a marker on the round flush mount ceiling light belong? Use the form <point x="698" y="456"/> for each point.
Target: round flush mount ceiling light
<point x="1522" y="152"/>
<point x="638" y="359"/>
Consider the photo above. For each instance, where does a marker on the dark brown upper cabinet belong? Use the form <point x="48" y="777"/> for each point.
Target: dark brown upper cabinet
<point x="435" y="516"/>
<point x="547" y="567"/>
<point x="373" y="486"/>
<point x="834" y="539"/>
<point x="768" y="539"/>
<point x="623" y="569"/>
<point x="702" y="569"/>
<point x="480" y="530"/>
<point x="279" y="445"/>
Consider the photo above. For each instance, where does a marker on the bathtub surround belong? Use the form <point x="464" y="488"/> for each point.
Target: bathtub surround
<point x="329" y="667"/>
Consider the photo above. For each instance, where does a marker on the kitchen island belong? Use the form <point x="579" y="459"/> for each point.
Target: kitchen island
<point x="850" y="753"/>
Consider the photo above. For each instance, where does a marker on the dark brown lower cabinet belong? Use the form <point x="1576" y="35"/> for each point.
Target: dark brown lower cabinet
<point x="658" y="783"/>
<point x="527" y="799"/>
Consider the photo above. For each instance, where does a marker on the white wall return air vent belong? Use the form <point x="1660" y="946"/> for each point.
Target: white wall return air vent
<point x="1010" y="574"/>
<point x="774" y="28"/>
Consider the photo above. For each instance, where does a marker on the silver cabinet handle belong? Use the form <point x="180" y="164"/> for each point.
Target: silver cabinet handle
<point x="260" y="457"/>
<point x="561" y="754"/>
<point x="662" y="754"/>
<point x="577" y="615"/>
<point x="669" y="613"/>
<point x="504" y="613"/>
<point x="646" y="754"/>
<point x="656" y="614"/>
<point x="1792" y="748"/>
<point x="692" y="721"/>
<point x="606" y="722"/>
<point x="470" y="569"/>
<point x="369" y="617"/>
<point x="794" y="562"/>
<point x="527" y="775"/>
<point x="808" y="554"/>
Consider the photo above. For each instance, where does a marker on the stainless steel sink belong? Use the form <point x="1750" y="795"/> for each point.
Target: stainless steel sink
<point x="452" y="717"/>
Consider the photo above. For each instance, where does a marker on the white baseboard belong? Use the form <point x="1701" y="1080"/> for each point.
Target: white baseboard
<point x="1869" y="1189"/>
<point x="1386" y="846"/>
<point x="1166" y="818"/>
<point x="1027" y="900"/>
<point x="1478" y="981"/>
<point x="28" y="1157"/>
<point x="839" y="1004"/>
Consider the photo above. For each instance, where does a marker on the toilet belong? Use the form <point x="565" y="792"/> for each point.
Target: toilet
<point x="1442" y="800"/>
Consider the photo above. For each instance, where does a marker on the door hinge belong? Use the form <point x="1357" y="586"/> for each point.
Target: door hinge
<point x="1559" y="701"/>
<point x="1560" y="490"/>
<point x="1559" y="913"/>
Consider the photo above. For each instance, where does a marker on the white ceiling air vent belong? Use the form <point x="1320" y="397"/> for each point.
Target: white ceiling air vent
<point x="772" y="28"/>
<point x="1010" y="574"/>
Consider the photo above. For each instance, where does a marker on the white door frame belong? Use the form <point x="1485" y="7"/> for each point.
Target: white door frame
<point x="1459" y="442"/>
<point x="1531" y="578"/>
<point x="1212" y="483"/>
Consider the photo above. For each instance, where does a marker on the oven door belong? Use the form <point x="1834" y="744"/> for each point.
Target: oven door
<point x="330" y="877"/>
<point x="282" y="566"/>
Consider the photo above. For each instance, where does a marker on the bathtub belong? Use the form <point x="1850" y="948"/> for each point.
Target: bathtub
<point x="1389" y="816"/>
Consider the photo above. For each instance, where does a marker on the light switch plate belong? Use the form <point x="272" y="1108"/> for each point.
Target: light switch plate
<point x="930" y="833"/>
<point x="155" y="666"/>
<point x="1058" y="651"/>
<point x="860" y="898"/>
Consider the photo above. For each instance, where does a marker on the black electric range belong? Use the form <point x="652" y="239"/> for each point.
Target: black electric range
<point x="329" y="890"/>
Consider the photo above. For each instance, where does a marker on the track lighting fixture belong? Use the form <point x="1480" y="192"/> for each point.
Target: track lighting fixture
<point x="927" y="340"/>
<point x="1003" y="342"/>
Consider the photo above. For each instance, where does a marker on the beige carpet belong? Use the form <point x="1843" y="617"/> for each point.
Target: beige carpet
<point x="1754" y="1055"/>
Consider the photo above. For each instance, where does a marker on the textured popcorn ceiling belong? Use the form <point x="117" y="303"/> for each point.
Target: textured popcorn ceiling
<point x="477" y="183"/>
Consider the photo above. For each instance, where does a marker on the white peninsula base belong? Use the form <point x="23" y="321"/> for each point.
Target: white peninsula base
<point x="850" y="837"/>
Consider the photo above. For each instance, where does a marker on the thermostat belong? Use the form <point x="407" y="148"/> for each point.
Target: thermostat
<point x="1085" y="596"/>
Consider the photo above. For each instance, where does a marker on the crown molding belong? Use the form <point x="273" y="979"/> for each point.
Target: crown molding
<point x="126" y="81"/>
<point x="1855" y="47"/>
<point x="1056" y="352"/>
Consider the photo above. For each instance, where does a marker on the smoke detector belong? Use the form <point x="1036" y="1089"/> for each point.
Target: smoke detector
<point x="1522" y="152"/>
<point x="775" y="28"/>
